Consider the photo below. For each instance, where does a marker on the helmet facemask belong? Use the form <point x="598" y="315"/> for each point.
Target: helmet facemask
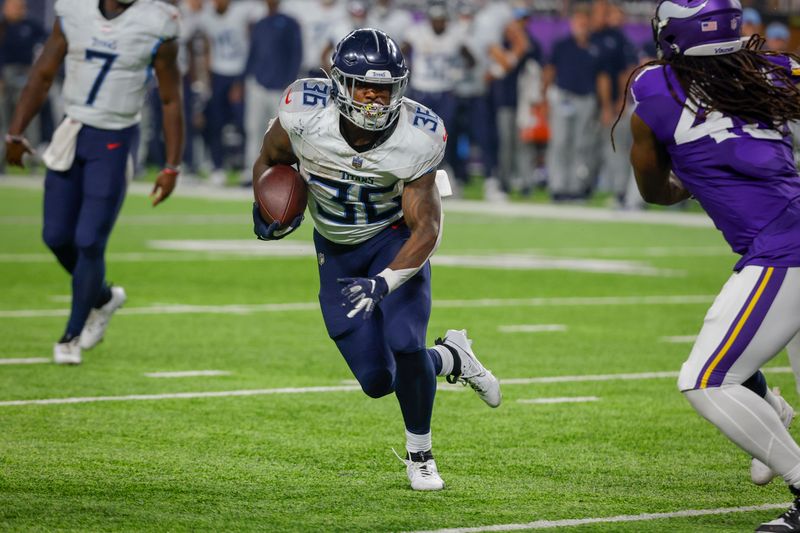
<point x="369" y="116"/>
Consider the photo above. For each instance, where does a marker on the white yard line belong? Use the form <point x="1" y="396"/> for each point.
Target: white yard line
<point x="679" y="339"/>
<point x="565" y="399"/>
<point x="339" y="388"/>
<point x="188" y="374"/>
<point x="244" y="309"/>
<point x="618" y="377"/>
<point x="646" y="517"/>
<point x="470" y="207"/>
<point x="531" y="328"/>
<point x="25" y="361"/>
<point x="179" y="395"/>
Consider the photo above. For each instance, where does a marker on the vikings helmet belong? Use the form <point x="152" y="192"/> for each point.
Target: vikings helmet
<point x="368" y="56"/>
<point x="697" y="27"/>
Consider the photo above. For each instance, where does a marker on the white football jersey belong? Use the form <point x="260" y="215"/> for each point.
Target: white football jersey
<point x="109" y="62"/>
<point x="354" y="195"/>
<point x="229" y="34"/>
<point x="435" y="59"/>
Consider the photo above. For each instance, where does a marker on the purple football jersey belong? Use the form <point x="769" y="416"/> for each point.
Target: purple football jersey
<point x="742" y="174"/>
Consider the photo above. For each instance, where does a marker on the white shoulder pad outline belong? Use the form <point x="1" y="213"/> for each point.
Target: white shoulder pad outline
<point x="306" y="94"/>
<point x="428" y="137"/>
<point x="170" y="17"/>
<point x="63" y="8"/>
<point x="637" y="80"/>
<point x="425" y="120"/>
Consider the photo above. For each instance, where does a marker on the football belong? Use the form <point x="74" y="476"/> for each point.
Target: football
<point x="281" y="194"/>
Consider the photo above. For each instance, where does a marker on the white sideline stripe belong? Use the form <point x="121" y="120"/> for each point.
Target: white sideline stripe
<point x="244" y="309"/>
<point x="188" y="374"/>
<point x="531" y="328"/>
<point x="505" y="261"/>
<point x="231" y="250"/>
<point x="619" y="377"/>
<point x="340" y="388"/>
<point x="565" y="399"/>
<point x="25" y="361"/>
<point x="646" y="517"/>
<point x="179" y="395"/>
<point x="679" y="339"/>
<point x="470" y="207"/>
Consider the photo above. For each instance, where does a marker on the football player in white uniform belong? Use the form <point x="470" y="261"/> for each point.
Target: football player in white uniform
<point x="369" y="157"/>
<point x="109" y="50"/>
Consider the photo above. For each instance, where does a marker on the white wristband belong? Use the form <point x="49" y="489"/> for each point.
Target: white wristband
<point x="395" y="278"/>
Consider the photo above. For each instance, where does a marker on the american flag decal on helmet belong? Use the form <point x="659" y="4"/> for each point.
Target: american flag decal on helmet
<point x="708" y="25"/>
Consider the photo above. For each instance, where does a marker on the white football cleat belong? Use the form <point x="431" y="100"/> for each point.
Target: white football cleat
<point x="95" y="328"/>
<point x="761" y="474"/>
<point x="421" y="470"/>
<point x="472" y="372"/>
<point x="67" y="353"/>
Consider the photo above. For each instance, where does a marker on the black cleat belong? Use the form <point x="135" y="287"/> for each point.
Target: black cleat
<point x="788" y="522"/>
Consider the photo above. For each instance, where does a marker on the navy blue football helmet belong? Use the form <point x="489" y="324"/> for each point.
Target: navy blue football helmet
<point x="368" y="56"/>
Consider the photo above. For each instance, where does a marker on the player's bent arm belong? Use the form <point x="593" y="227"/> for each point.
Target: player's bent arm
<point x="165" y="66"/>
<point x="169" y="89"/>
<point x="651" y="166"/>
<point x="276" y="149"/>
<point x="41" y="77"/>
<point x="422" y="210"/>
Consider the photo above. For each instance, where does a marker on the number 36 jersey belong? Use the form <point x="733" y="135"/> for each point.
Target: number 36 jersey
<point x="109" y="62"/>
<point x="354" y="195"/>
<point x="742" y="174"/>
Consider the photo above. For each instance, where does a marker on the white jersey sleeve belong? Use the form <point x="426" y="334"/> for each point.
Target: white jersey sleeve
<point x="109" y="61"/>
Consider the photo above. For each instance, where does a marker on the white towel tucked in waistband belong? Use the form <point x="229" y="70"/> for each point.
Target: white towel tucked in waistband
<point x="61" y="152"/>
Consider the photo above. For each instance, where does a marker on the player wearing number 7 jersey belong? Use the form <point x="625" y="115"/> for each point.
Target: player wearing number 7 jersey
<point x="713" y="109"/>
<point x="369" y="156"/>
<point x="110" y="48"/>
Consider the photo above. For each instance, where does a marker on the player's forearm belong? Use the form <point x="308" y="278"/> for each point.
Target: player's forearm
<point x="173" y="131"/>
<point x="418" y="248"/>
<point x="423" y="214"/>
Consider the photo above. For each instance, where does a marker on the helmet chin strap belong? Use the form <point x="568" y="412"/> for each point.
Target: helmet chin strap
<point x="126" y="2"/>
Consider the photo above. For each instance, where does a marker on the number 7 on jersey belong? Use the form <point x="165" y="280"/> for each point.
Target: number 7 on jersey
<point x="108" y="61"/>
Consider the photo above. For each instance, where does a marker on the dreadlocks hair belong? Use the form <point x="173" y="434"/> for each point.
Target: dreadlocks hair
<point x="744" y="84"/>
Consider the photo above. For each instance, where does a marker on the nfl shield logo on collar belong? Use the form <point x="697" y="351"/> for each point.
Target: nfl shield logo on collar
<point x="357" y="162"/>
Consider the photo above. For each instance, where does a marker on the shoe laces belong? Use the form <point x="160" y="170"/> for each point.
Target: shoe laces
<point x="422" y="467"/>
<point x="466" y="360"/>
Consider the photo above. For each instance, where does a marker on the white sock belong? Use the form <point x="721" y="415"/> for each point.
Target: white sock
<point x="418" y="443"/>
<point x="447" y="360"/>
<point x="752" y="424"/>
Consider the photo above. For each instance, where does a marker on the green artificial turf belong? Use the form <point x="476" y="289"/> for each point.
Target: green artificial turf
<point x="322" y="461"/>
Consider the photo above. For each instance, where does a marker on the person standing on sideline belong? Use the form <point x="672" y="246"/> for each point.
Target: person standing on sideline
<point x="618" y="58"/>
<point x="20" y="38"/>
<point x="276" y="53"/>
<point x="709" y="123"/>
<point x="573" y="84"/>
<point x="369" y="156"/>
<point x="226" y="25"/>
<point x="437" y="50"/>
<point x="108" y="51"/>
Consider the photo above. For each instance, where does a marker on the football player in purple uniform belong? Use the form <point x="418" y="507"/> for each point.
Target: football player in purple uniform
<point x="711" y="122"/>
